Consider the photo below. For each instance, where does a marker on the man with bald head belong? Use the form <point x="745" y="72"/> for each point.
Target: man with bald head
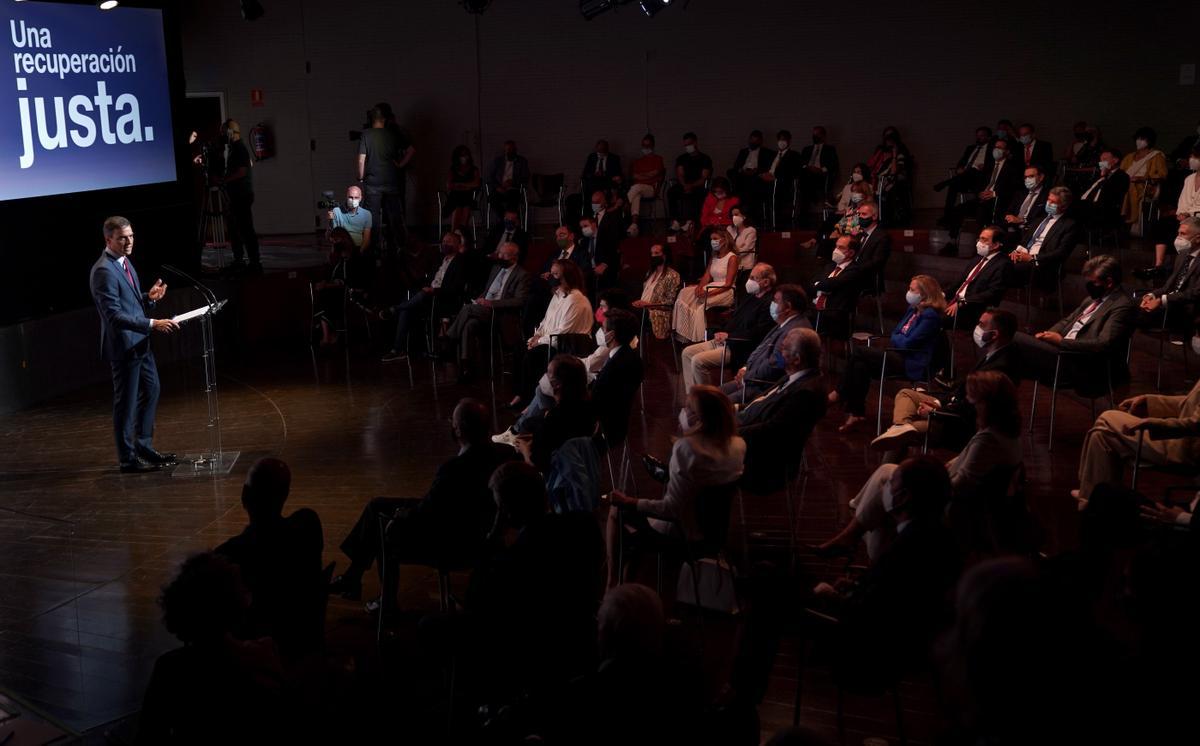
<point x="449" y="524"/>
<point x="507" y="287"/>
<point x="279" y="558"/>
<point x="356" y="219"/>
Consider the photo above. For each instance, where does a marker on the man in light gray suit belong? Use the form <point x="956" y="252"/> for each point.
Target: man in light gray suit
<point x="765" y="366"/>
<point x="507" y="287"/>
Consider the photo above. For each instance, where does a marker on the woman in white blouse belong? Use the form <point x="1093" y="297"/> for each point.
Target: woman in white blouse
<point x="569" y="312"/>
<point x="709" y="454"/>
<point x="716" y="284"/>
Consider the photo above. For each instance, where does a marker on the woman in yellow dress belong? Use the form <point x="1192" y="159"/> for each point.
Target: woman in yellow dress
<point x="1146" y="167"/>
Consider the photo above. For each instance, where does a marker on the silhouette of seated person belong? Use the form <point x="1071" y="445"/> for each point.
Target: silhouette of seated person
<point x="216" y="688"/>
<point x="280" y="560"/>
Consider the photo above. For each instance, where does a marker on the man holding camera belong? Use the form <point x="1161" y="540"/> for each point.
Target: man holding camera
<point x="355" y="218"/>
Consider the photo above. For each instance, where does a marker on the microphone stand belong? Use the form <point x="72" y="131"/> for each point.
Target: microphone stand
<point x="215" y="461"/>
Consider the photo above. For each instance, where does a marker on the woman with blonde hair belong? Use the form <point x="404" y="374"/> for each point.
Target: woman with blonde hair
<point x="917" y="334"/>
<point x="716" y="284"/>
<point x="709" y="453"/>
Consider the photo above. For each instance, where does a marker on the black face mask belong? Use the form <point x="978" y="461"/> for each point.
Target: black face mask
<point x="1081" y="136"/>
<point x="554" y="281"/>
<point x="1096" y="290"/>
<point x="657" y="261"/>
<point x="816" y="139"/>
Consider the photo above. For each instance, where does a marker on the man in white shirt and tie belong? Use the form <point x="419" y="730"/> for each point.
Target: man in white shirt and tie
<point x="1048" y="244"/>
<point x="1027" y="207"/>
<point x="982" y="285"/>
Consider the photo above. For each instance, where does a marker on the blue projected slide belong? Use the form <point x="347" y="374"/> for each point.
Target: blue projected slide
<point x="84" y="101"/>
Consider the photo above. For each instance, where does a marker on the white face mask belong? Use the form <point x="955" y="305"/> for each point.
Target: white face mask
<point x="978" y="336"/>
<point x="1194" y="163"/>
<point x="998" y="153"/>
<point x="752" y="286"/>
<point x="685" y="421"/>
<point x="463" y="159"/>
<point x="1030" y="182"/>
<point x="588" y="232"/>
<point x="912" y="298"/>
<point x="600" y="340"/>
<point x="1182" y="245"/>
<point x="689" y="149"/>
<point x="856" y="177"/>
<point x="856" y="198"/>
<point x="1025" y="139"/>
<point x="983" y="249"/>
<point x="839" y="256"/>
<point x="783" y="144"/>
<point x="738" y="220"/>
<point x="1142" y="143"/>
<point x="353" y="203"/>
<point x="716" y="245"/>
<point x="1196" y="345"/>
<point x="774" y="311"/>
<point x="647" y="151"/>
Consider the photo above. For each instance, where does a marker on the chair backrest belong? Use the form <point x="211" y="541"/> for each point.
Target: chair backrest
<point x="714" y="504"/>
<point x="546" y="187"/>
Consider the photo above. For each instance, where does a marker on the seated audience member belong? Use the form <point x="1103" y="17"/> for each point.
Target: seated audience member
<point x="999" y="186"/>
<point x="752" y="162"/>
<point x="508" y="176"/>
<point x="918" y="334"/>
<point x="729" y="347"/>
<point x="745" y="239"/>
<point x="858" y="175"/>
<point x="462" y="187"/>
<point x="568" y="249"/>
<point x="763" y="368"/>
<point x="891" y="170"/>
<point x="1027" y="206"/>
<point x="876" y="244"/>
<point x="709" y="454"/>
<point x="601" y="170"/>
<point x="614" y="371"/>
<point x="1185" y="149"/>
<point x="508" y="230"/>
<point x="446" y="284"/>
<point x="819" y="167"/>
<point x="329" y="296"/>
<point x="1177" y="297"/>
<point x="995" y="447"/>
<point x="714" y="289"/>
<point x="1189" y="198"/>
<point x="450" y="523"/>
<point x="1035" y="152"/>
<point x="1146" y="167"/>
<point x="1075" y="146"/>
<point x="911" y="410"/>
<point x="903" y="594"/>
<point x="982" y="284"/>
<point x="780" y="179"/>
<point x="569" y="312"/>
<point x="1100" y="325"/>
<point x="279" y="559"/>
<point x="355" y="219"/>
<point x="1172" y="435"/>
<point x="687" y="194"/>
<point x="214" y="689"/>
<point x="777" y="423"/>
<point x="718" y="205"/>
<point x="835" y="290"/>
<point x="573" y="414"/>
<point x="506" y="291"/>
<point x="1045" y="247"/>
<point x="970" y="173"/>
<point x="1101" y="200"/>
<point x="648" y="172"/>
<point x="606" y="251"/>
<point x="659" y="288"/>
<point x="530" y="608"/>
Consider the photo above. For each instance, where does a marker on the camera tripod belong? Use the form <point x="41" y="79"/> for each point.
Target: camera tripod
<point x="212" y="222"/>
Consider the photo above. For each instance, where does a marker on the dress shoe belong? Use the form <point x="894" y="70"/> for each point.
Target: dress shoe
<point x="138" y="466"/>
<point x="156" y="457"/>
<point x="346" y="587"/>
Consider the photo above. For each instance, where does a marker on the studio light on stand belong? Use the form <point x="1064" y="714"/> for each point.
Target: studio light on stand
<point x="651" y="7"/>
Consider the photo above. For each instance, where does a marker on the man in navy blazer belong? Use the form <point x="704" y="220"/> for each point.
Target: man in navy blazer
<point x="765" y="366"/>
<point x="125" y="332"/>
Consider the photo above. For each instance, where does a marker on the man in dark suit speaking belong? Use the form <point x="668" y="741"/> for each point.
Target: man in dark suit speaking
<point x="125" y="343"/>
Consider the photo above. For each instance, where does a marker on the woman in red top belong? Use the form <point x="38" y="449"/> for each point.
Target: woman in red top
<point x="718" y="206"/>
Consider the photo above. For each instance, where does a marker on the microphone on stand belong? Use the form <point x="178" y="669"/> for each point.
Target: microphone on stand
<point x="208" y="294"/>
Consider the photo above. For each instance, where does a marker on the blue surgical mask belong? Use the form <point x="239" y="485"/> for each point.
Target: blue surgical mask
<point x="596" y="207"/>
<point x="1051" y="209"/>
<point x="774" y="311"/>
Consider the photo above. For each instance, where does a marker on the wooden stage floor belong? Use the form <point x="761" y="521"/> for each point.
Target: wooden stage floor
<point x="85" y="550"/>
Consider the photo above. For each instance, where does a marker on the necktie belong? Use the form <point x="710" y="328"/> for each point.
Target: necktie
<point x="995" y="175"/>
<point x="962" y="291"/>
<point x="1036" y="242"/>
<point x="600" y="166"/>
<point x="1028" y="153"/>
<point x="1084" y="317"/>
<point x="497" y="288"/>
<point x="975" y="155"/>
<point x="1028" y="203"/>
<point x="1187" y="266"/>
<point x="129" y="275"/>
